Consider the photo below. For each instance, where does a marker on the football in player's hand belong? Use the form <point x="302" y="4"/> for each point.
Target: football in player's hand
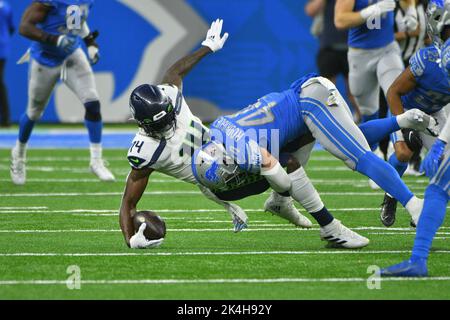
<point x="156" y="227"/>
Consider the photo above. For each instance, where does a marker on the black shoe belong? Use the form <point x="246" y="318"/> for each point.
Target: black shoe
<point x="388" y="209"/>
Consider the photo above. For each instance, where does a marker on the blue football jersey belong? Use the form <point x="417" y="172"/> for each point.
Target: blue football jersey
<point x="432" y="91"/>
<point x="65" y="17"/>
<point x="276" y="115"/>
<point x="373" y="36"/>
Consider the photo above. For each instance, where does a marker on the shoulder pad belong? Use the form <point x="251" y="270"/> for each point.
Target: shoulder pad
<point x="417" y="63"/>
<point x="145" y="152"/>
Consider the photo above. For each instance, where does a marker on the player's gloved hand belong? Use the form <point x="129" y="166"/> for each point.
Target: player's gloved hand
<point x="410" y="19"/>
<point x="138" y="241"/>
<point x="433" y="159"/>
<point x="377" y="9"/>
<point x="67" y="43"/>
<point x="92" y="47"/>
<point x="213" y="39"/>
<point x="238" y="216"/>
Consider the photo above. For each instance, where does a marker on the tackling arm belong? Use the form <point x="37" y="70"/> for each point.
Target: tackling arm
<point x="401" y="86"/>
<point x="136" y="183"/>
<point x="34" y="14"/>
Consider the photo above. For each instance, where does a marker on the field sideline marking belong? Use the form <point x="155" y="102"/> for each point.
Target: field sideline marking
<point x="210" y="281"/>
<point x="208" y="253"/>
<point x="177" y="192"/>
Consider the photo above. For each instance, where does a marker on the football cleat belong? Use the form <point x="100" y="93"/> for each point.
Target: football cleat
<point x="239" y="217"/>
<point x="98" y="168"/>
<point x="284" y="208"/>
<point x="388" y="210"/>
<point x="418" y="120"/>
<point x="408" y="268"/>
<point x="18" y="168"/>
<point x="339" y="235"/>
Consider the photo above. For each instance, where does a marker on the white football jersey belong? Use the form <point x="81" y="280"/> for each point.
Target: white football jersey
<point x="170" y="156"/>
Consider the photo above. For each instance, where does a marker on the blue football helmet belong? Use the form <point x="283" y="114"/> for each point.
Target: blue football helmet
<point x="153" y="111"/>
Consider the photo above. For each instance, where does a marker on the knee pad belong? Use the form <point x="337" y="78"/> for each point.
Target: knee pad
<point x="92" y="111"/>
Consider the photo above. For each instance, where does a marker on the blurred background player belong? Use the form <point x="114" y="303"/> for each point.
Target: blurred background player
<point x="6" y="31"/>
<point x="436" y="197"/>
<point x="56" y="28"/>
<point x="332" y="56"/>
<point x="374" y="57"/>
<point x="423" y="85"/>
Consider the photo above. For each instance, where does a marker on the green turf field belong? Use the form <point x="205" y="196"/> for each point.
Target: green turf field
<point x="64" y="217"/>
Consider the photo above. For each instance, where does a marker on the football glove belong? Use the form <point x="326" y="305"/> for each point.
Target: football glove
<point x="377" y="9"/>
<point x="412" y="140"/>
<point x="433" y="159"/>
<point x="213" y="39"/>
<point x="410" y="19"/>
<point x="92" y="47"/>
<point x="138" y="241"/>
<point x="67" y="43"/>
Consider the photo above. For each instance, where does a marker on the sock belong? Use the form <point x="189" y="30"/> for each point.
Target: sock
<point x="25" y="127"/>
<point x="430" y="220"/>
<point x="385" y="176"/>
<point x="96" y="150"/>
<point x="93" y="121"/>
<point x="304" y="192"/>
<point x="95" y="130"/>
<point x="377" y="130"/>
<point x="323" y="217"/>
<point x="366" y="118"/>
<point x="398" y="165"/>
<point x="21" y="149"/>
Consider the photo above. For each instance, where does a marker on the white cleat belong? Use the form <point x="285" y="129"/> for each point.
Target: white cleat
<point x="98" y="168"/>
<point x="414" y="208"/>
<point x="340" y="236"/>
<point x="418" y="120"/>
<point x="239" y="217"/>
<point x="285" y="209"/>
<point x="18" y="168"/>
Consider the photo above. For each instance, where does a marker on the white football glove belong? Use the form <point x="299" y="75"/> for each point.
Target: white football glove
<point x="213" y="39"/>
<point x="410" y="19"/>
<point x="377" y="9"/>
<point x="138" y="241"/>
<point x="93" y="54"/>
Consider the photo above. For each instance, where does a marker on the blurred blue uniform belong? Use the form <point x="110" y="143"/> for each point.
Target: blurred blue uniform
<point x="364" y="38"/>
<point x="57" y="24"/>
<point x="6" y="28"/>
<point x="432" y="91"/>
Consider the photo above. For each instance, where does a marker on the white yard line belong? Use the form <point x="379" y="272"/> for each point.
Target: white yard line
<point x="216" y="281"/>
<point x="208" y="253"/>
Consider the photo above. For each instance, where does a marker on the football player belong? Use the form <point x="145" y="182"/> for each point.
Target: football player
<point x="422" y="85"/>
<point x="374" y="57"/>
<point x="312" y="105"/>
<point x="57" y="28"/>
<point x="436" y="197"/>
<point x="166" y="140"/>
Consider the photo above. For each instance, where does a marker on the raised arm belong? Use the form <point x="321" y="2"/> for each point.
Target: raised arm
<point x="136" y="183"/>
<point x="213" y="42"/>
<point x="345" y="17"/>
<point x="404" y="83"/>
